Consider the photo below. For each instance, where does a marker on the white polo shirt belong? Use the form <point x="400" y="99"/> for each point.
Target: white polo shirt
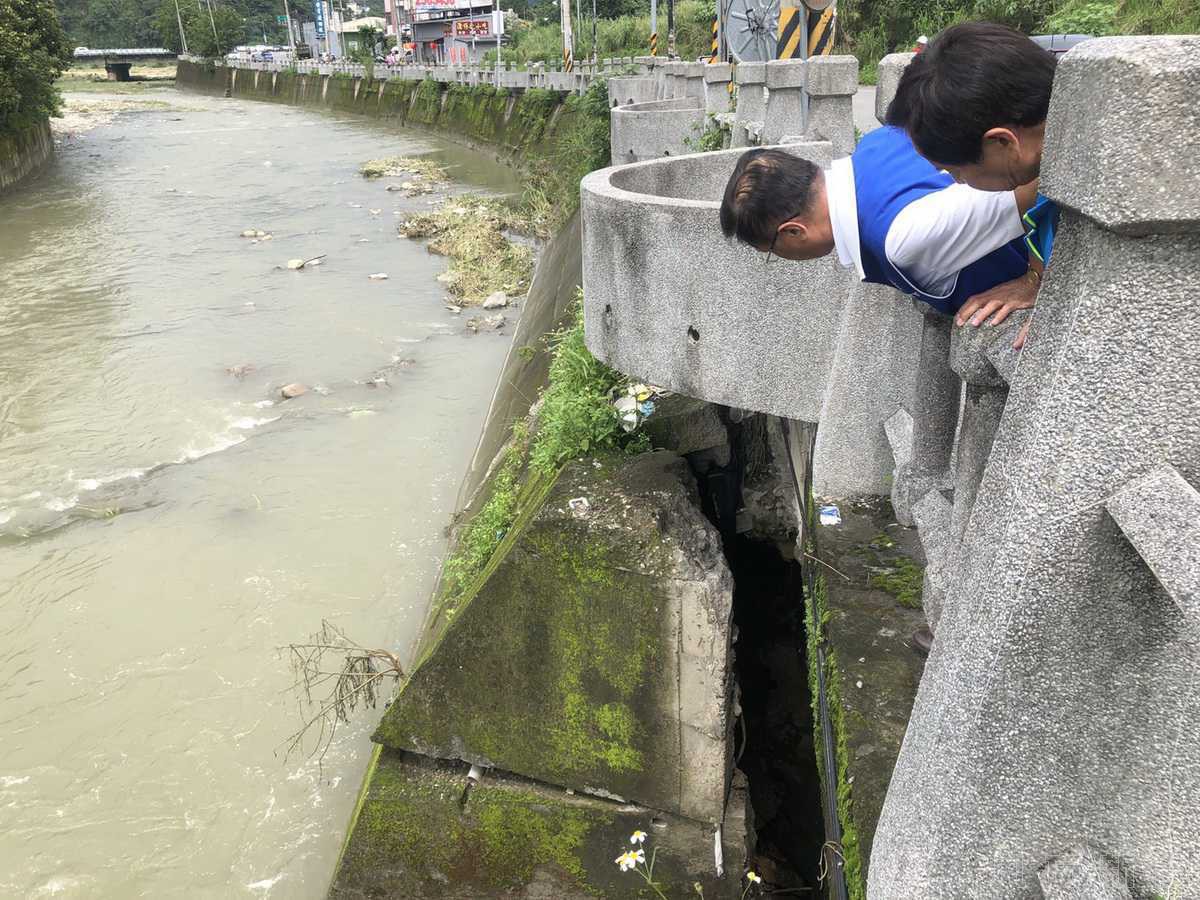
<point x="933" y="238"/>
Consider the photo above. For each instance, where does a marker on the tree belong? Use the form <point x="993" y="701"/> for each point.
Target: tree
<point x="230" y="25"/>
<point x="33" y="53"/>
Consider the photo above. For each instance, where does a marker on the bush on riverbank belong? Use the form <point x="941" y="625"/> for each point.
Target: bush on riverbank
<point x="551" y="192"/>
<point x="470" y="231"/>
<point x="33" y="53"/>
<point x="575" y="417"/>
<point x="623" y="36"/>
<point x="870" y="29"/>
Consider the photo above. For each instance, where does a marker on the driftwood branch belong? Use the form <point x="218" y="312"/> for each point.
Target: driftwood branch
<point x="334" y="675"/>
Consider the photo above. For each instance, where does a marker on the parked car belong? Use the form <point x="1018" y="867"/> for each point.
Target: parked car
<point x="1058" y="44"/>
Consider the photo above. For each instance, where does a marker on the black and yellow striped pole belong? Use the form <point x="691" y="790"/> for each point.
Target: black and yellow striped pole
<point x="822" y="25"/>
<point x="714" y="56"/>
<point x="654" y="27"/>
<point x="792" y="20"/>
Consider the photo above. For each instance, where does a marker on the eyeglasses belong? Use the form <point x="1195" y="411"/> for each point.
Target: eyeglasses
<point x="771" y="246"/>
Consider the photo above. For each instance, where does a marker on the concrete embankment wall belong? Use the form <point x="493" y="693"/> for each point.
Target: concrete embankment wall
<point x="514" y="122"/>
<point x="23" y="152"/>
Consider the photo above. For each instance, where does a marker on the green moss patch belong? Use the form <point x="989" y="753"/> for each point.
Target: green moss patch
<point x="549" y="664"/>
<point x="419" y="836"/>
<point x="871" y="673"/>
<point x="904" y="580"/>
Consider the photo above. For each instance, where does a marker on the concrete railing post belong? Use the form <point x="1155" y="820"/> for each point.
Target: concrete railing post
<point x="751" y="102"/>
<point x="785" y="80"/>
<point x="831" y="83"/>
<point x="934" y="418"/>
<point x="692" y="80"/>
<point x="1069" y="639"/>
<point x="891" y="67"/>
<point x="716" y="87"/>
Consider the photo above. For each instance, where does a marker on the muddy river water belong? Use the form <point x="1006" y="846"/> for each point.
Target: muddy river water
<point x="165" y="525"/>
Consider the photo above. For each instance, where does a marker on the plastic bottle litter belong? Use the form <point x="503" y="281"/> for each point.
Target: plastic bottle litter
<point x="829" y="515"/>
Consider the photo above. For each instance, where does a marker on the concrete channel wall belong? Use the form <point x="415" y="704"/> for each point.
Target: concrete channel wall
<point x="1054" y="749"/>
<point x="23" y="152"/>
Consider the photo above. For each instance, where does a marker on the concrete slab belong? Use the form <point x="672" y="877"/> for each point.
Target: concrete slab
<point x="871" y="570"/>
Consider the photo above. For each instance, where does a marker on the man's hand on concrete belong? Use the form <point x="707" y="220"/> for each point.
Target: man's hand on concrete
<point x="996" y="304"/>
<point x="1021" y="335"/>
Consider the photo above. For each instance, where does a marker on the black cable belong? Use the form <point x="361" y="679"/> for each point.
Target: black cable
<point x="837" y="874"/>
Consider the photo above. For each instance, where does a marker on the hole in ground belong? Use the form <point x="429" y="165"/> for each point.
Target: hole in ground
<point x="779" y="758"/>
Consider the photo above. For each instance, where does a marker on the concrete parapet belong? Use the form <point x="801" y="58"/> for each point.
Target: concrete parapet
<point x="785" y="99"/>
<point x="831" y="76"/>
<point x="622" y="91"/>
<point x="1082" y="874"/>
<point x="891" y="67"/>
<point x="751" y="99"/>
<point x="1168" y="538"/>
<point x="1057" y="708"/>
<point x="1143" y="175"/>
<point x="867" y="385"/>
<point x="691" y="78"/>
<point x="716" y="87"/>
<point x="668" y="299"/>
<point x="831" y="82"/>
<point x="935" y="418"/>
<point x="644" y="131"/>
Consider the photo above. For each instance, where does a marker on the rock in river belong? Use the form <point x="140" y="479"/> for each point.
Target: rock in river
<point x="293" y="390"/>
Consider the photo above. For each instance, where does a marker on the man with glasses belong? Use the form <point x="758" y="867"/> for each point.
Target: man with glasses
<point x="892" y="217"/>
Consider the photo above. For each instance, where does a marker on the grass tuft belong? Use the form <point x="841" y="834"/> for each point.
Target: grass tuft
<point x="471" y="232"/>
<point x="577" y="416"/>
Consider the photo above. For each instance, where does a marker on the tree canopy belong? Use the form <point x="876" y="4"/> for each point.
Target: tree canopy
<point x="33" y="53"/>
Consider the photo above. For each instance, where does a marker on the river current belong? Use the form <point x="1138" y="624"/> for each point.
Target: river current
<point x="167" y="521"/>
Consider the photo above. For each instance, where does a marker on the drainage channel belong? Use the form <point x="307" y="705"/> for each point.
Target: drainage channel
<point x="777" y="738"/>
<point x="777" y="733"/>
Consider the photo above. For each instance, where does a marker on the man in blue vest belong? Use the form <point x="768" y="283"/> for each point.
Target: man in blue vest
<point x="894" y="218"/>
<point x="975" y="104"/>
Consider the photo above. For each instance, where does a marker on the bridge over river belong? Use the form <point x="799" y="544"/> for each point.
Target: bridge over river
<point x="117" y="62"/>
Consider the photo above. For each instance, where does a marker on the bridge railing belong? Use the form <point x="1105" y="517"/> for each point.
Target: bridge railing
<point x="1054" y="490"/>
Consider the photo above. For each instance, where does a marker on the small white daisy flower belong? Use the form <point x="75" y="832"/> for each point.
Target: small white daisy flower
<point x="638" y="837"/>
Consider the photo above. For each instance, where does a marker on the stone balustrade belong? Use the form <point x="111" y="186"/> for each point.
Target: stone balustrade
<point x="1054" y="741"/>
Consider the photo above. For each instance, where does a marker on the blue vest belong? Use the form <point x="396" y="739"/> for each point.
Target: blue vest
<point x="889" y="174"/>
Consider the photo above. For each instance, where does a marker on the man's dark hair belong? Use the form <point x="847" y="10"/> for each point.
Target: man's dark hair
<point x="767" y="188"/>
<point x="973" y="77"/>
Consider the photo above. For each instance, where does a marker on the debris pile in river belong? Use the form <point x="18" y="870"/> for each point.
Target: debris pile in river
<point x="472" y="232"/>
<point x="425" y="173"/>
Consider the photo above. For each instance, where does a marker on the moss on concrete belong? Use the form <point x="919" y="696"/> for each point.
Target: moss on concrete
<point x="871" y="674"/>
<point x="416" y="837"/>
<point x="567" y="620"/>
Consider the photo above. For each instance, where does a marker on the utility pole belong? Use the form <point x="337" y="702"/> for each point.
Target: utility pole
<point x="564" y="12"/>
<point x="595" y="46"/>
<point x="291" y="38"/>
<point x="579" y="21"/>
<point x="213" y="23"/>
<point x="182" y="35"/>
<point x="654" y="27"/>
<point x="495" y="22"/>
<point x="670" y="29"/>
